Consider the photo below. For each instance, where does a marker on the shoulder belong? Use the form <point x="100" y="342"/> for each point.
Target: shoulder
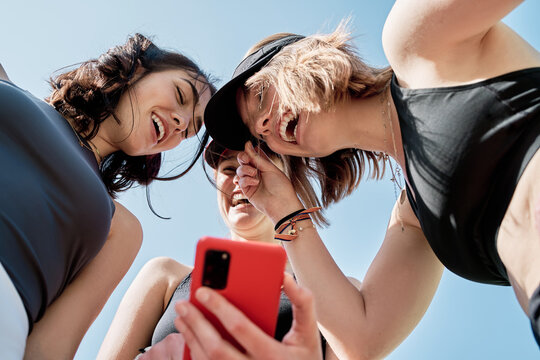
<point x="166" y="267"/>
<point x="164" y="271"/>
<point x="126" y="229"/>
<point x="125" y="221"/>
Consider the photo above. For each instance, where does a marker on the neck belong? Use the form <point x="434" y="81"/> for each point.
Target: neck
<point x="104" y="147"/>
<point x="89" y="144"/>
<point x="266" y="235"/>
<point x="372" y="124"/>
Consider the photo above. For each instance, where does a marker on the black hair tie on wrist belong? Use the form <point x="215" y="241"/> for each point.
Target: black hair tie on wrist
<point x="291" y="215"/>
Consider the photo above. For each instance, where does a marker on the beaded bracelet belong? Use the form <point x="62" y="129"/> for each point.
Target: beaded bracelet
<point x="291" y="220"/>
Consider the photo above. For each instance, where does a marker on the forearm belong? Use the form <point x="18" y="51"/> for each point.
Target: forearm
<point x="339" y="304"/>
<point x="141" y="308"/>
<point x="368" y="321"/>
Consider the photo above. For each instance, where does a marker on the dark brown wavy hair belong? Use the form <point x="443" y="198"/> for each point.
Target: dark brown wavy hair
<point x="90" y="94"/>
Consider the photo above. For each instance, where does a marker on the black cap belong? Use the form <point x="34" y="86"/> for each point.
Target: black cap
<point x="213" y="153"/>
<point x="221" y="116"/>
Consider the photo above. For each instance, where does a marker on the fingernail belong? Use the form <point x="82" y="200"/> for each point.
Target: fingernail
<point x="202" y="295"/>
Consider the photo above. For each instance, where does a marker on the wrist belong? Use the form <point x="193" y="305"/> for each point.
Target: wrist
<point x="284" y="210"/>
<point x="287" y="228"/>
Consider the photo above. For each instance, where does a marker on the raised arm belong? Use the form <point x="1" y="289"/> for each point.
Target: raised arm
<point x="445" y="42"/>
<point x="141" y="308"/>
<point x="3" y="74"/>
<point x="422" y="25"/>
<point x="358" y="323"/>
<point x="78" y="306"/>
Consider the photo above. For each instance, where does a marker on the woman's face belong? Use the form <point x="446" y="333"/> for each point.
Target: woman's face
<point x="308" y="134"/>
<point x="237" y="212"/>
<point x="157" y="113"/>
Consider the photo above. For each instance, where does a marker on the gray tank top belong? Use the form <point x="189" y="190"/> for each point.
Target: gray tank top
<point x="55" y="212"/>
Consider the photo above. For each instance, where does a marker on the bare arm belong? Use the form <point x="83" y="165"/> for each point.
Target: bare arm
<point x="432" y="43"/>
<point x="429" y="25"/>
<point x="329" y="353"/>
<point x="76" y="309"/>
<point x="371" y="321"/>
<point x="3" y="74"/>
<point x="141" y="308"/>
<point x="357" y="323"/>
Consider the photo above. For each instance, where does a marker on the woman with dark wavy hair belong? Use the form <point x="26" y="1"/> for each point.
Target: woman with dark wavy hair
<point x="65" y="243"/>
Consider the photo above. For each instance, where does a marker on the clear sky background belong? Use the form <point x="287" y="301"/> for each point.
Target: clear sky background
<point x="465" y="321"/>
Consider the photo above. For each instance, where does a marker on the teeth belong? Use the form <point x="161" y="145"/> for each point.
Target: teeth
<point x="238" y="198"/>
<point x="283" y="128"/>
<point x="159" y="124"/>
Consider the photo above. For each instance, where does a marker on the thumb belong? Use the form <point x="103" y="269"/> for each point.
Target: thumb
<point x="305" y="321"/>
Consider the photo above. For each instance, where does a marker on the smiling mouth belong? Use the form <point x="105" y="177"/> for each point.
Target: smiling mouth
<point x="239" y="199"/>
<point x="158" y="126"/>
<point x="288" y="127"/>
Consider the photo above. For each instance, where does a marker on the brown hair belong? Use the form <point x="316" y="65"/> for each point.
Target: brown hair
<point x="90" y="94"/>
<point x="314" y="74"/>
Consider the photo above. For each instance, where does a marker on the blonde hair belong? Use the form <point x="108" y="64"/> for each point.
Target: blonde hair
<point x="314" y="74"/>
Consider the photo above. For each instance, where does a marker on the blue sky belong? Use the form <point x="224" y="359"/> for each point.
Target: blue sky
<point x="465" y="321"/>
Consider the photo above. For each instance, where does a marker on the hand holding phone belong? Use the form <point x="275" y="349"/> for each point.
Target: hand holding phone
<point x="248" y="274"/>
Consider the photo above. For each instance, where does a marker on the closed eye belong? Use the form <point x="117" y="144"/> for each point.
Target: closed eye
<point x="229" y="169"/>
<point x="180" y="96"/>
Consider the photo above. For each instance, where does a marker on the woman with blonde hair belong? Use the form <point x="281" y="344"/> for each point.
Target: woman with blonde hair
<point x="145" y="318"/>
<point x="454" y="110"/>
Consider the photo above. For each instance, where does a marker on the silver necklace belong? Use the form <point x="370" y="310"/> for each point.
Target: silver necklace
<point x="397" y="179"/>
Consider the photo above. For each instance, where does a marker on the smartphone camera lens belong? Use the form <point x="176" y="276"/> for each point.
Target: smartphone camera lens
<point x="216" y="269"/>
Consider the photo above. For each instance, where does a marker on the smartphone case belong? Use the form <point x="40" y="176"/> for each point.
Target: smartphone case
<point x="253" y="284"/>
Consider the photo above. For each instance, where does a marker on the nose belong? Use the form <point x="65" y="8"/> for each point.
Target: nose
<point x="262" y="125"/>
<point x="236" y="179"/>
<point x="180" y="122"/>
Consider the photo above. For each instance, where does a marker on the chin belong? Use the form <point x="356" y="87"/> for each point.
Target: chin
<point x="244" y="220"/>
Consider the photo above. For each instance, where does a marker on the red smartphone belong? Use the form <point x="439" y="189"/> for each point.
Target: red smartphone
<point x="249" y="274"/>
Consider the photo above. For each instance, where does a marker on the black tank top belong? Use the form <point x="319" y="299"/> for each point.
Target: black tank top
<point x="55" y="212"/>
<point x="465" y="150"/>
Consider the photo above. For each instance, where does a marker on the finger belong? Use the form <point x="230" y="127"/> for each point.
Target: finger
<point x="203" y="340"/>
<point x="248" y="186"/>
<point x="171" y="348"/>
<point x="246" y="170"/>
<point x="257" y="158"/>
<point x="174" y="346"/>
<point x="254" y="340"/>
<point x="304" y="319"/>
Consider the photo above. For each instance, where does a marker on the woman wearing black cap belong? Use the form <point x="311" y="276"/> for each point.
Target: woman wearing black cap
<point x="146" y="315"/>
<point x="455" y="111"/>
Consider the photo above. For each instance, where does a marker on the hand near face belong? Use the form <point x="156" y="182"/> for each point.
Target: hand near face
<point x="265" y="185"/>
<point x="205" y="343"/>
<point x="170" y="348"/>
